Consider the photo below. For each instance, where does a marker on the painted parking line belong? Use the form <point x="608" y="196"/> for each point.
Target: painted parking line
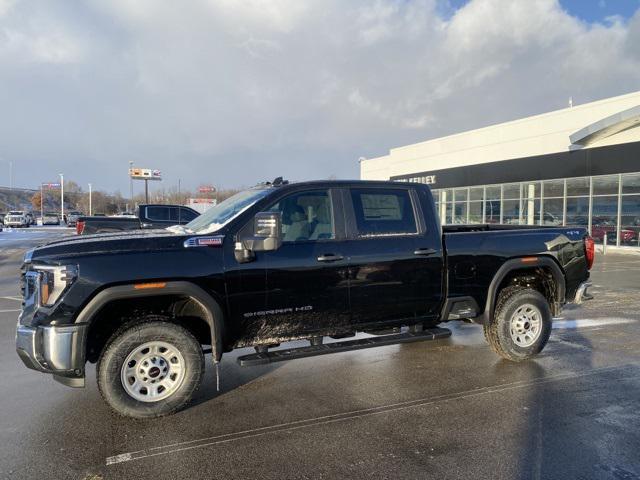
<point x="357" y="414"/>
<point x="10" y="311"/>
<point x="15" y="299"/>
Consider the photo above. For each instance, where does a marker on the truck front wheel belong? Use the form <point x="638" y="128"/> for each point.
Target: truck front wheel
<point x="150" y="369"/>
<point x="521" y="324"/>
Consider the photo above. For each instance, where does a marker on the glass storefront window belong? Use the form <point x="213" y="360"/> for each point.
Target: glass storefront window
<point x="511" y="212"/>
<point x="577" y="186"/>
<point x="606" y="185"/>
<point x="511" y="191"/>
<point x="631" y="183"/>
<point x="492" y="211"/>
<point x="630" y="220"/>
<point x="543" y="203"/>
<point x="493" y="193"/>
<point x="460" y="194"/>
<point x="476" y="193"/>
<point x="447" y="218"/>
<point x="578" y="211"/>
<point x="552" y="214"/>
<point x="460" y="213"/>
<point x="475" y="212"/>
<point x="604" y="219"/>
<point x="553" y="188"/>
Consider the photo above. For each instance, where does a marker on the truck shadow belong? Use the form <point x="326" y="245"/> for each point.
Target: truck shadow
<point x="573" y="423"/>
<point x="230" y="376"/>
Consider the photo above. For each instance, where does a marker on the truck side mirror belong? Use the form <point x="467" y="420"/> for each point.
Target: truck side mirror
<point x="267" y="237"/>
<point x="268" y="227"/>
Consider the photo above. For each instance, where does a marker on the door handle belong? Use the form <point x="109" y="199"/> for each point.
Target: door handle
<point x="425" y="251"/>
<point x="330" y="257"/>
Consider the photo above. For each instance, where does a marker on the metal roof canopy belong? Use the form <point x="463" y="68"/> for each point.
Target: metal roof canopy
<point x="606" y="127"/>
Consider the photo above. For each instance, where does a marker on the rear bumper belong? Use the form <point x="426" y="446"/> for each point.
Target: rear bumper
<point x="582" y="294"/>
<point x="58" y="350"/>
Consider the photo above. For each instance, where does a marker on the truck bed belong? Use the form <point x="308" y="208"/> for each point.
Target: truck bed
<point x="475" y="253"/>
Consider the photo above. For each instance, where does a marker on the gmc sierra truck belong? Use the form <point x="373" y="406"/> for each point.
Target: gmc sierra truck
<point x="314" y="261"/>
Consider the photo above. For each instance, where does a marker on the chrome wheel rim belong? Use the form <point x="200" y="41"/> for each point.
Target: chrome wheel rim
<point x="153" y="371"/>
<point x="526" y="325"/>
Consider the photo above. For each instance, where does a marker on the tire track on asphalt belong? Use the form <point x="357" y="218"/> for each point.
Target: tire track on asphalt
<point x="355" y="414"/>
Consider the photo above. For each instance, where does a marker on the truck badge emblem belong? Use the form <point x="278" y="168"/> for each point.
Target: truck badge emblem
<point x="215" y="241"/>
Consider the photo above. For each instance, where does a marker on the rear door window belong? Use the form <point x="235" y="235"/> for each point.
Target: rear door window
<point x="383" y="211"/>
<point x="158" y="213"/>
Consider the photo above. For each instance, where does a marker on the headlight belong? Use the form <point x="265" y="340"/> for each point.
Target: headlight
<point x="52" y="281"/>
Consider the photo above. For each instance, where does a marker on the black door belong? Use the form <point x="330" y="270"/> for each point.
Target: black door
<point x="395" y="262"/>
<point x="306" y="285"/>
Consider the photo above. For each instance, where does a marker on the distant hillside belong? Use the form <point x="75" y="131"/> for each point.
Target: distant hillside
<point x="20" y="199"/>
<point x="17" y="198"/>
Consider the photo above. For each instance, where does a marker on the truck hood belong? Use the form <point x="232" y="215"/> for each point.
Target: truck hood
<point x="128" y="241"/>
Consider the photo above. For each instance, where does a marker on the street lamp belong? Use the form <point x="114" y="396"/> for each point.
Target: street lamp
<point x="130" y="182"/>
<point x="61" y="197"/>
<point x="90" y="211"/>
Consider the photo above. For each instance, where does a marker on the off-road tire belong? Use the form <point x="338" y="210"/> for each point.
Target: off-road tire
<point x="123" y="342"/>
<point x="497" y="331"/>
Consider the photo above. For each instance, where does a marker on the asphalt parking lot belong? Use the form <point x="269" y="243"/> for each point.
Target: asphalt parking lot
<point x="443" y="409"/>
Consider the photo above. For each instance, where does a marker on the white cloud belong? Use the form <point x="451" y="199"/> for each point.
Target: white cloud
<point x="234" y="92"/>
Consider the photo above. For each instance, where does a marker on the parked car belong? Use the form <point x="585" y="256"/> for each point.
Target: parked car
<point x="50" y="218"/>
<point x="147" y="216"/>
<point x="282" y="262"/>
<point x="2" y="215"/>
<point x="71" y="218"/>
<point x="17" y="218"/>
<point x="626" y="236"/>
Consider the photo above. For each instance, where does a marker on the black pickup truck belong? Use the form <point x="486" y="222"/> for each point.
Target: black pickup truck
<point x="279" y="262"/>
<point x="147" y="216"/>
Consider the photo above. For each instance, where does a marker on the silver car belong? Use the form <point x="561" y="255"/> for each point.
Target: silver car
<point x="50" y="218"/>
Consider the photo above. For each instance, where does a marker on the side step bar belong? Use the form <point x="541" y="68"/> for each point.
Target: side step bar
<point x="313" y="350"/>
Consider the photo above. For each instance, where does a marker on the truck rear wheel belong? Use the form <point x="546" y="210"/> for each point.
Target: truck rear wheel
<point x="150" y="369"/>
<point x="521" y="324"/>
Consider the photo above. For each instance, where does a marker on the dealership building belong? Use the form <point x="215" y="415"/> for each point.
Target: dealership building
<point x="575" y="166"/>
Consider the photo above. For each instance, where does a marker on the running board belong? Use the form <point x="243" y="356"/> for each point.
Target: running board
<point x="313" y="350"/>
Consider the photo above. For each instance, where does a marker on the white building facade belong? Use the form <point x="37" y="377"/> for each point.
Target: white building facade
<point x="575" y="166"/>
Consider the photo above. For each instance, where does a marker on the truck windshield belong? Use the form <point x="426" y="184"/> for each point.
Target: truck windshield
<point x="218" y="216"/>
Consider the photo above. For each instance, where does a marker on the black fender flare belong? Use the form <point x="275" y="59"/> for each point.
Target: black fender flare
<point x="521" y="263"/>
<point x="213" y="313"/>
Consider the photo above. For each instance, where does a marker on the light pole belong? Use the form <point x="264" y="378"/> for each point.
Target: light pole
<point x="90" y="210"/>
<point x="61" y="197"/>
<point x="130" y="182"/>
<point x="41" y="204"/>
<point x="10" y="175"/>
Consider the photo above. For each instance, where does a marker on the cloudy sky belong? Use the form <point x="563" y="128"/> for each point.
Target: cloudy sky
<point x="233" y="92"/>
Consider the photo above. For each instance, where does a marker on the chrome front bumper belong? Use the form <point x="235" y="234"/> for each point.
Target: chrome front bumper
<point x="582" y="294"/>
<point x="54" y="349"/>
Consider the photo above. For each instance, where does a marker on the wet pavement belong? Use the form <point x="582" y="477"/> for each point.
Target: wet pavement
<point x="443" y="409"/>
